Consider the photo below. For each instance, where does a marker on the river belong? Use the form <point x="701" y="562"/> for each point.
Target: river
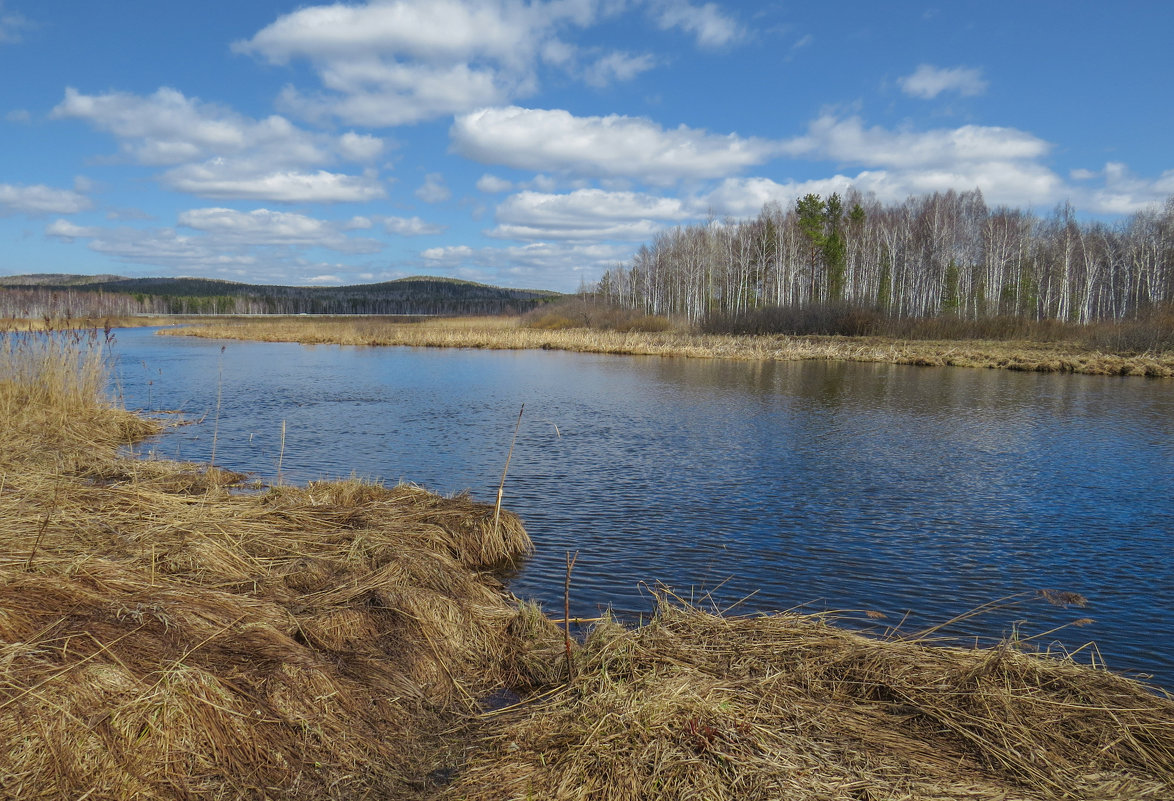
<point x="911" y="493"/>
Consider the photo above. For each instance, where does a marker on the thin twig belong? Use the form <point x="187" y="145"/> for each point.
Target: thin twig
<point x="28" y="565"/>
<point x="281" y="454"/>
<point x="216" y="422"/>
<point x="567" y="611"/>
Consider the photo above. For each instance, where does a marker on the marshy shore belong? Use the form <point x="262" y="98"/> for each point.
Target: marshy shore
<point x="513" y="334"/>
<point x="172" y="630"/>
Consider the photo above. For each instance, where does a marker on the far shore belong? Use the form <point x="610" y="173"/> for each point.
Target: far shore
<point x="511" y="334"/>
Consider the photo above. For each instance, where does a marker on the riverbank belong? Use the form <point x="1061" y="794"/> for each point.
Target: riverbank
<point x="171" y="631"/>
<point x="87" y="323"/>
<point x="509" y="333"/>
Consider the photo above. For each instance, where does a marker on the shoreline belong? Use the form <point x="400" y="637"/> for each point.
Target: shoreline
<point x="168" y="635"/>
<point x="507" y="334"/>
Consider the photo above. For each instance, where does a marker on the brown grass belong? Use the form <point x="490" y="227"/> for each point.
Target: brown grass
<point x="162" y="636"/>
<point x="85" y="323"/>
<point x="697" y="706"/>
<point x="166" y="636"/>
<point x="507" y="333"/>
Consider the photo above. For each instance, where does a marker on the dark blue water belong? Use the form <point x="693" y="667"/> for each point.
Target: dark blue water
<point x="916" y="493"/>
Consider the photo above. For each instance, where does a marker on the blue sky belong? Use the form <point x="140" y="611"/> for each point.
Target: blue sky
<point x="536" y="144"/>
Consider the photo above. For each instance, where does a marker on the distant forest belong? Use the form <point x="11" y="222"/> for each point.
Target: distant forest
<point x="940" y="254"/>
<point x="113" y="296"/>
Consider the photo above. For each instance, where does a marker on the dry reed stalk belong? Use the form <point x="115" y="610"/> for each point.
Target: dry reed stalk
<point x="509" y="455"/>
<point x="499" y="333"/>
<point x="567" y="613"/>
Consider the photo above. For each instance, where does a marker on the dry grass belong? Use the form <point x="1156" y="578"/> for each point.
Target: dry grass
<point x="162" y="636"/>
<point x="507" y="333"/>
<point x="85" y="323"/>
<point x="697" y="706"/>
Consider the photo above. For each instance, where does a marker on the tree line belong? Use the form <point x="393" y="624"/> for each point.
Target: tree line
<point x="191" y="296"/>
<point x="942" y="254"/>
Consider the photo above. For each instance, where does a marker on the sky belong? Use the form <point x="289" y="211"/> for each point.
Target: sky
<point x="536" y="144"/>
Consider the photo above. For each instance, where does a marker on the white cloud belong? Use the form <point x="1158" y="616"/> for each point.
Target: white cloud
<point x="617" y="66"/>
<point x="360" y="147"/>
<point x="223" y="179"/>
<point x="19" y="115"/>
<point x="553" y="265"/>
<point x="40" y="199"/>
<point x="1004" y="183"/>
<point x="266" y="227"/>
<point x="216" y="152"/>
<point x="11" y="24"/>
<point x="614" y="145"/>
<point x="169" y="128"/>
<point x="396" y="62"/>
<point x="433" y="189"/>
<point x="848" y="141"/>
<point x="928" y="81"/>
<point x="707" y="22"/>
<point x="64" y="229"/>
<point x="449" y="254"/>
<point x="411" y="226"/>
<point x="376" y="94"/>
<point x="256" y="245"/>
<point x="1122" y="192"/>
<point x="491" y="184"/>
<point x="585" y="215"/>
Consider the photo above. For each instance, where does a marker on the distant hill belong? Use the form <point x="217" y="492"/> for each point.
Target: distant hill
<point x="75" y="295"/>
<point x="56" y="279"/>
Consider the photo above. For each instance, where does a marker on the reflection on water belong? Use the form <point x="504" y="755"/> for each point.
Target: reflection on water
<point x="919" y="491"/>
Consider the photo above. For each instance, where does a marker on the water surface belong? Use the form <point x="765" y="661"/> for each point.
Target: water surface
<point x="918" y="493"/>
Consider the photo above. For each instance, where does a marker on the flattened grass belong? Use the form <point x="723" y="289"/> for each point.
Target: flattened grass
<point x="162" y="636"/>
<point x="693" y="705"/>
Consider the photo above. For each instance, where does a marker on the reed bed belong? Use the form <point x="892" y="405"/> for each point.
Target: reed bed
<point x="164" y="636"/>
<point x="699" y="706"/>
<point x="508" y="333"/>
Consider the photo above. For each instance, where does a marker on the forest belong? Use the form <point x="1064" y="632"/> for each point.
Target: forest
<point x="942" y="254"/>
<point x="35" y="297"/>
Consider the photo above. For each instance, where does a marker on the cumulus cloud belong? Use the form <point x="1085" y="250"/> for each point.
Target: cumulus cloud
<point x="1003" y="183"/>
<point x="402" y="61"/>
<point x="611" y="146"/>
<point x="491" y="184"/>
<point x="259" y="244"/>
<point x="215" y="152"/>
<point x="585" y="215"/>
<point x="360" y="147"/>
<point x="222" y="179"/>
<point x="557" y="265"/>
<point x="411" y="226"/>
<point x="68" y="231"/>
<point x="847" y="140"/>
<point x="928" y="81"/>
<point x="1123" y="192"/>
<point x="40" y="199"/>
<point x="707" y="22"/>
<point x="266" y="227"/>
<point x="433" y="190"/>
